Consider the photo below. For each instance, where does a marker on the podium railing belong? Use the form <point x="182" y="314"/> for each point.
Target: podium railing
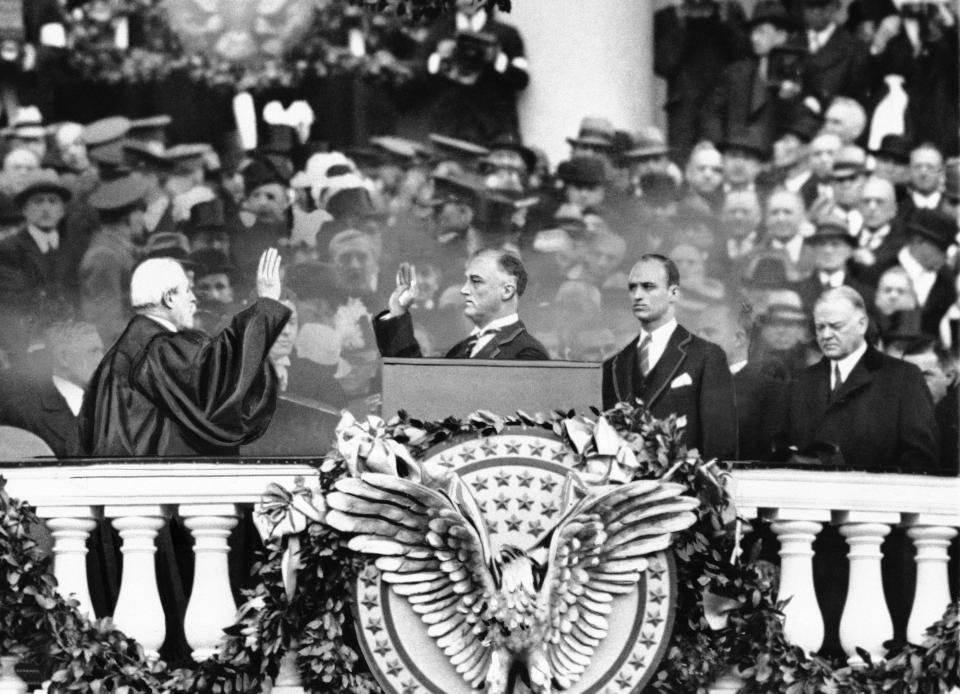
<point x="137" y="497"/>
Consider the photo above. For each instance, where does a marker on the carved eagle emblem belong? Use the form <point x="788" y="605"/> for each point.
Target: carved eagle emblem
<point x="500" y="613"/>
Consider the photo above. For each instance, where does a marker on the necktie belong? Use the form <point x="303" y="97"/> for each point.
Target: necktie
<point x="471" y="343"/>
<point x="837" y="378"/>
<point x="645" y="355"/>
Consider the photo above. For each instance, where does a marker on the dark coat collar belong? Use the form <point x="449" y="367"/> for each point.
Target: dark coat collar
<point x="860" y="377"/>
<point x="52" y="400"/>
<point x="672" y="359"/>
<point x="504" y="336"/>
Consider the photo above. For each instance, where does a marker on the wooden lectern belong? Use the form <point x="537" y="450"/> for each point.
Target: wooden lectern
<point x="432" y="389"/>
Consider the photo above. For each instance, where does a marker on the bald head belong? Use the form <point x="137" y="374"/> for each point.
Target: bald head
<point x="878" y="202"/>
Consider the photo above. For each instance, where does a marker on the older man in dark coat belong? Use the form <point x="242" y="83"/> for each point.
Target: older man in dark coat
<point x="874" y="409"/>
<point x="670" y="370"/>
<point x="164" y="389"/>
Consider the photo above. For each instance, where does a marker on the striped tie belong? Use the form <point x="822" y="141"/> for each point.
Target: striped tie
<point x="645" y="355"/>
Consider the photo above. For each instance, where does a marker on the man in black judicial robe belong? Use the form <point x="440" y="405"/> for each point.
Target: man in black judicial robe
<point x="165" y="389"/>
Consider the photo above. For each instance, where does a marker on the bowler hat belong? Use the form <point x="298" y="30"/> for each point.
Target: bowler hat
<point x="937" y="227"/>
<point x="771" y="12"/>
<point x="767" y="272"/>
<point x="205" y="216"/>
<point x="895" y="147"/>
<point x="583" y="171"/>
<point x="595" y="132"/>
<point x="260" y="172"/>
<point x="659" y="188"/>
<point x="42" y="181"/>
<point x="747" y="144"/>
<point x="210" y="261"/>
<point x="351" y="203"/>
<point x="119" y="194"/>
<point x="510" y="142"/>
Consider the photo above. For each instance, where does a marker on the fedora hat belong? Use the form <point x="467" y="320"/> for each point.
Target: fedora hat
<point x="42" y="181"/>
<point x="583" y="171"/>
<point x="771" y="12"/>
<point x="937" y="227"/>
<point x="895" y="147"/>
<point x="595" y="132"/>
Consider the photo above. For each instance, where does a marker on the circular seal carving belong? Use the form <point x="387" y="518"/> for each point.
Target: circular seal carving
<point x="517" y="478"/>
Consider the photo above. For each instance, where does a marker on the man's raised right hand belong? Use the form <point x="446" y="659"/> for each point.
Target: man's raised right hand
<point x="268" y="275"/>
<point x="406" y="290"/>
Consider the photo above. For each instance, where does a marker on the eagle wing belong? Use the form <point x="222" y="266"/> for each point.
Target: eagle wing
<point x="597" y="552"/>
<point x="429" y="552"/>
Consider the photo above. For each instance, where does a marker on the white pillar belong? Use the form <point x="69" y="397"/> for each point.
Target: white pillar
<point x="139" y="612"/>
<point x="803" y="622"/>
<point x="866" y="622"/>
<point x="288" y="678"/>
<point x="70" y="528"/>
<point x="933" y="585"/>
<point x="586" y="59"/>
<point x="211" y="606"/>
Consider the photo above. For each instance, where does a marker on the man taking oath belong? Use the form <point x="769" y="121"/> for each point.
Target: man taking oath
<point x="166" y="389"/>
<point x="494" y="282"/>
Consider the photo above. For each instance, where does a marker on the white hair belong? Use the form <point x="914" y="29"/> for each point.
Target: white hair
<point x="152" y="279"/>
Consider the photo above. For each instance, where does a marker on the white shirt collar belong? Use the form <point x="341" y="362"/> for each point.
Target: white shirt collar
<point x="71" y="392"/>
<point x="848" y="362"/>
<point x="793" y="247"/>
<point x="929" y="201"/>
<point x="737" y="366"/>
<point x="921" y="278"/>
<point x="474" y="23"/>
<point x="658" y="340"/>
<point x="821" y="37"/>
<point x="162" y="321"/>
<point x="496" y="324"/>
<point x="46" y="240"/>
<point x="872" y="238"/>
<point x="832" y="279"/>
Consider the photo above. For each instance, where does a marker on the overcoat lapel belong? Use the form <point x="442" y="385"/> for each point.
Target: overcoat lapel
<point x="669" y="364"/>
<point x="504" y="336"/>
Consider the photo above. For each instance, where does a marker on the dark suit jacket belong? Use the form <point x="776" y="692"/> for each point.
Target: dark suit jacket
<point x="838" y="68"/>
<point x="884" y="256"/>
<point x="158" y="392"/>
<point x="27" y="275"/>
<point x="761" y="411"/>
<point x="881" y="417"/>
<point x="707" y="401"/>
<point x="395" y="339"/>
<point x="40" y="409"/>
<point x="941" y="297"/>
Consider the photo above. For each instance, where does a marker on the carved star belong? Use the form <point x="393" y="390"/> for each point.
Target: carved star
<point x="637" y="662"/>
<point x="559" y="455"/>
<point x="548" y="483"/>
<point x="370" y="601"/>
<point x="513" y="523"/>
<point x="368" y="579"/>
<point x="654" y="619"/>
<point x="647" y="641"/>
<point x="382" y="648"/>
<point x="537" y="450"/>
<point x="488" y="449"/>
<point x="479" y="484"/>
<point x="374" y="625"/>
<point x="623" y="681"/>
<point x="446" y="461"/>
<point x="656" y="569"/>
<point x="657" y="595"/>
<point x="408" y="687"/>
<point x="501" y="502"/>
<point x="503" y="478"/>
<point x="467" y="455"/>
<point x="513" y="447"/>
<point x="524" y="502"/>
<point x="550" y="509"/>
<point x="492" y="526"/>
<point x="535" y="527"/>
<point x="525" y="478"/>
<point x="393" y="668"/>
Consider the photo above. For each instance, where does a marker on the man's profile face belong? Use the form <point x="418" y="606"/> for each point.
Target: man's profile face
<point x="840" y="327"/>
<point x="926" y="169"/>
<point x="784" y="216"/>
<point x="44" y="210"/>
<point x="182" y="304"/>
<point x="652" y="300"/>
<point x="82" y="356"/>
<point x="705" y="171"/>
<point x="485" y="289"/>
<point x="937" y="379"/>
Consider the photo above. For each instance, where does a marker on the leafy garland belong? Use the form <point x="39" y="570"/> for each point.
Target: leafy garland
<point x="80" y="655"/>
<point x="94" y="56"/>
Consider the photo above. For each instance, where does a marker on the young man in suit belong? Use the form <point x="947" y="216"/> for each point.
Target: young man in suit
<point x="930" y="233"/>
<point x="670" y="370"/>
<point x="495" y="281"/>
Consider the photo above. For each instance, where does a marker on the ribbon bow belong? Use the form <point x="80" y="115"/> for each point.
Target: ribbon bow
<point x="607" y="456"/>
<point x="285" y="512"/>
<point x="366" y="447"/>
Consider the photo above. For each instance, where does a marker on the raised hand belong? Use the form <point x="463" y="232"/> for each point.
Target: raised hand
<point x="268" y="275"/>
<point x="406" y="290"/>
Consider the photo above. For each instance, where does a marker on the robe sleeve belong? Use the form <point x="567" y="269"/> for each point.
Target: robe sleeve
<point x="220" y="390"/>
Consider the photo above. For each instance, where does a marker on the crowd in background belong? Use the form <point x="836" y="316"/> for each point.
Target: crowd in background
<point x="808" y="148"/>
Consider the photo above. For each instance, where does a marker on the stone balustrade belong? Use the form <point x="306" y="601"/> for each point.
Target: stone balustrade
<point x="137" y="497"/>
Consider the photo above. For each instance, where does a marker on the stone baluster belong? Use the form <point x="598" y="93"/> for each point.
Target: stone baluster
<point x="866" y="622"/>
<point x="933" y="585"/>
<point x="70" y="528"/>
<point x="211" y="607"/>
<point x="803" y="622"/>
<point x="139" y="612"/>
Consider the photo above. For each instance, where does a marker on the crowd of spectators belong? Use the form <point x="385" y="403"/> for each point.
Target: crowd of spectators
<point x="805" y="152"/>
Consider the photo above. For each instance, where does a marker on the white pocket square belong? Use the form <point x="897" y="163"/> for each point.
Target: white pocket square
<point x="681" y="380"/>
